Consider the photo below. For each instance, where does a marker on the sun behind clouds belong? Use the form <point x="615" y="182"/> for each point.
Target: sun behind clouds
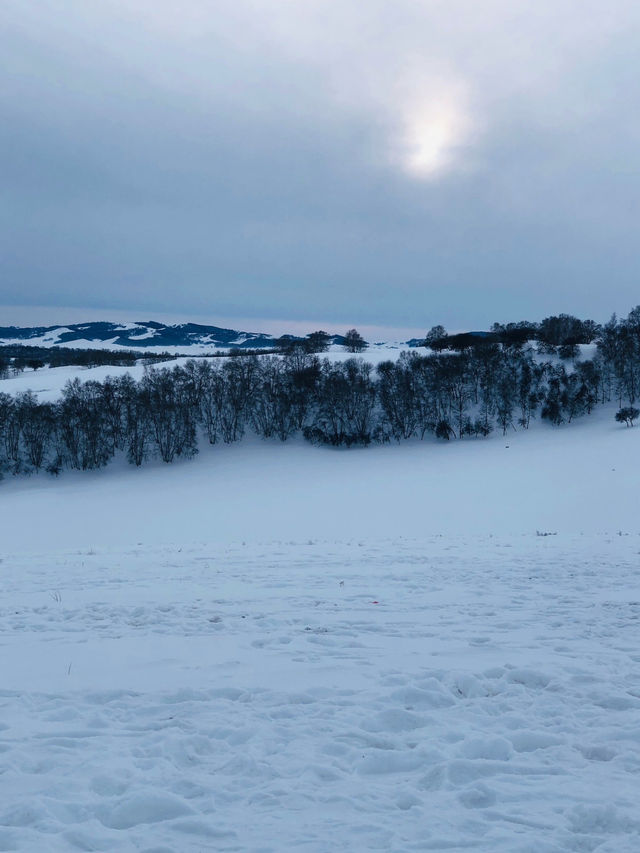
<point x="432" y="136"/>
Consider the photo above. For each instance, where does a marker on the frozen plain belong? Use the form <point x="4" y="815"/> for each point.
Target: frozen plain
<point x="275" y="647"/>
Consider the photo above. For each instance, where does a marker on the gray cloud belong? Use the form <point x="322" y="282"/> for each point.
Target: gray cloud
<point x="396" y="162"/>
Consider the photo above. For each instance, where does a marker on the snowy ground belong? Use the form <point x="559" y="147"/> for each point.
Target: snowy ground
<point x="279" y="648"/>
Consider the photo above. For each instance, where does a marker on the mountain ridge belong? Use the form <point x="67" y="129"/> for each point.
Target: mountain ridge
<point x="139" y="334"/>
<point x="149" y="334"/>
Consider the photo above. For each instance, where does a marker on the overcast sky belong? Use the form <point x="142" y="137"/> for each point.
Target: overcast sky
<point x="341" y="162"/>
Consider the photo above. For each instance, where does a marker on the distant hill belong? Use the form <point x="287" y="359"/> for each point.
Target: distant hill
<point x="133" y="335"/>
<point x="155" y="337"/>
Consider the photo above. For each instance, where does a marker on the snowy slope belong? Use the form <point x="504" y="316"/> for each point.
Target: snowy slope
<point x="279" y="647"/>
<point x="578" y="478"/>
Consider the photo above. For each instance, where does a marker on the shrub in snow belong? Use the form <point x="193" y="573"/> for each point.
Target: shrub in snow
<point x="627" y="415"/>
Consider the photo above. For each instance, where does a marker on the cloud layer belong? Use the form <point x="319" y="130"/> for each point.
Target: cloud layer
<point x="388" y="162"/>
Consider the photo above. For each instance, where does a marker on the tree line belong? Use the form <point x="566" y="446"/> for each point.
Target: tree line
<point x="15" y="358"/>
<point x="449" y="392"/>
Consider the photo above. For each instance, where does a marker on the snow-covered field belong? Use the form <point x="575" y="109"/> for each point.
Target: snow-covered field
<point x="279" y="647"/>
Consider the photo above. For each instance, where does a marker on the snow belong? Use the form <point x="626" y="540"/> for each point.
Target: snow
<point x="143" y="336"/>
<point x="53" y="337"/>
<point x="280" y="647"/>
<point x="47" y="383"/>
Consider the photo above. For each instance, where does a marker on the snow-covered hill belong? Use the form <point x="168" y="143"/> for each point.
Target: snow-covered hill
<point x="148" y="334"/>
<point x="280" y="647"/>
<point x="191" y="338"/>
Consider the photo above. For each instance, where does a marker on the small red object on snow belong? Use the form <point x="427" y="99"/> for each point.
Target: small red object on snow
<point x="375" y="602"/>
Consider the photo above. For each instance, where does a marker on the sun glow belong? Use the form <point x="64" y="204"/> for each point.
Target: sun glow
<point x="432" y="136"/>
